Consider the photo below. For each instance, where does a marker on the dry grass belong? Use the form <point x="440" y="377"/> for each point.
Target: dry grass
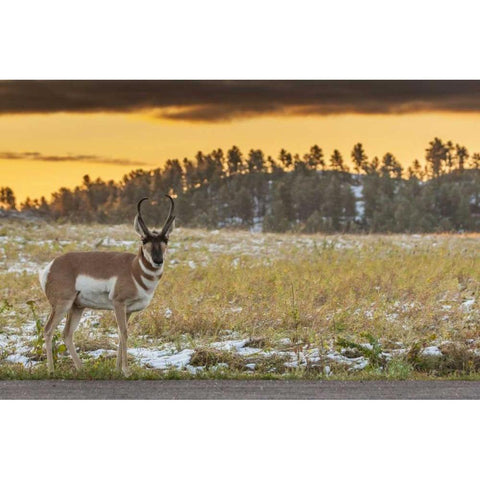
<point x="210" y="357"/>
<point x="403" y="291"/>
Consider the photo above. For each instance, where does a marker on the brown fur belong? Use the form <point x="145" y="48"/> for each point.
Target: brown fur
<point x="63" y="296"/>
<point x="102" y="265"/>
<point x="122" y="289"/>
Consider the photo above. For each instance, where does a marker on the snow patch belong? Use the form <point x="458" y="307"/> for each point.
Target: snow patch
<point x="162" y="359"/>
<point x="467" y="304"/>
<point x="18" y="358"/>
<point x="431" y="352"/>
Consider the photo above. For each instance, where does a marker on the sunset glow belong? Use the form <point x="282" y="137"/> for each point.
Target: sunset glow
<point x="49" y="140"/>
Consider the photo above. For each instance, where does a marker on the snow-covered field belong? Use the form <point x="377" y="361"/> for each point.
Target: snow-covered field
<point x="262" y="303"/>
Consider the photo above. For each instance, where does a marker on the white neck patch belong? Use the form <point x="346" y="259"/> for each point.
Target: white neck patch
<point x="156" y="271"/>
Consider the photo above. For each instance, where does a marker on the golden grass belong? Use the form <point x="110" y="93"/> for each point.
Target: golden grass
<point x="314" y="290"/>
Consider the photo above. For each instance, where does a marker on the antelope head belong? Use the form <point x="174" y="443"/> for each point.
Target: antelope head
<point x="154" y="243"/>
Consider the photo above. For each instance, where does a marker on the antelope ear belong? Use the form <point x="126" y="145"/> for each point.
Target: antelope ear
<point x="138" y="228"/>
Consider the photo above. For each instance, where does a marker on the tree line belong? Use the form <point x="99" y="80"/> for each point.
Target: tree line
<point x="292" y="192"/>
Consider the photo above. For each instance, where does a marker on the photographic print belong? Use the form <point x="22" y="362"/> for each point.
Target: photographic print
<point x="161" y="237"/>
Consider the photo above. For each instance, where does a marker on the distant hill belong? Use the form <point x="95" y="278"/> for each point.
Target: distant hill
<point x="291" y="193"/>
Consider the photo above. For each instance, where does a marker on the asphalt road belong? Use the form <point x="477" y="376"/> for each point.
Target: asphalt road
<point x="237" y="389"/>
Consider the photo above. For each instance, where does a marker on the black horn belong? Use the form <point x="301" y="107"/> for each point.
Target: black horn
<point x="170" y="217"/>
<point x="144" y="228"/>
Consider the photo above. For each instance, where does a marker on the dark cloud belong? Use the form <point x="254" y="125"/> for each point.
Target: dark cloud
<point x="66" y="158"/>
<point x="225" y="100"/>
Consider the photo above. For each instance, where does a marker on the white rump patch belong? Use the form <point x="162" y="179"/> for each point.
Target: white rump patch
<point x="43" y="275"/>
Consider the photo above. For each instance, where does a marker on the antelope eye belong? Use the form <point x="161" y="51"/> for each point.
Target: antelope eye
<point x="144" y="240"/>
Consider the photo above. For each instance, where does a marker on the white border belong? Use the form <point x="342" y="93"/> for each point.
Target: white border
<point x="238" y="439"/>
<point x="248" y="39"/>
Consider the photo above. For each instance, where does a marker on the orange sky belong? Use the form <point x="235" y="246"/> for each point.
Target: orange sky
<point x="141" y="138"/>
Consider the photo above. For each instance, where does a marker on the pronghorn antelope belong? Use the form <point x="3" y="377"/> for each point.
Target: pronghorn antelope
<point x="117" y="281"/>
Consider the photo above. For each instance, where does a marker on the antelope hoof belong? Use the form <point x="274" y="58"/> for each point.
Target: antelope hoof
<point x="126" y="372"/>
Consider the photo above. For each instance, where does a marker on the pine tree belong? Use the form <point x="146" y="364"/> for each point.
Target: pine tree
<point x="314" y="158"/>
<point x="359" y="158"/>
<point x="390" y="166"/>
<point x="285" y="159"/>
<point x="7" y="198"/>
<point x="437" y="156"/>
<point x="256" y="161"/>
<point x="461" y="156"/>
<point x="336" y="162"/>
<point x="234" y="161"/>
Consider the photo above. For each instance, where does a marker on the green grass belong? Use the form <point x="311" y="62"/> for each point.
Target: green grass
<point x="103" y="369"/>
<point x="334" y="293"/>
